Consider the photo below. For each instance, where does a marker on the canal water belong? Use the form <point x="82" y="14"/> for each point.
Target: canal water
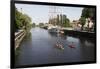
<point x="38" y="47"/>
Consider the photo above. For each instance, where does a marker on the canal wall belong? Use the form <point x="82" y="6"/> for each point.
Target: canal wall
<point x="19" y="37"/>
<point x="80" y="33"/>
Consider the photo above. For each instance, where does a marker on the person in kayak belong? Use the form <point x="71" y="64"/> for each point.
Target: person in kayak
<point x="58" y="45"/>
<point x="72" y="45"/>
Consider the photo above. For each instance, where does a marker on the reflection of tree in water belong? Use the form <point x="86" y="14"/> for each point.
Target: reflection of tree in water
<point x="62" y="36"/>
<point x="53" y="34"/>
<point x="85" y="41"/>
<point x="28" y="37"/>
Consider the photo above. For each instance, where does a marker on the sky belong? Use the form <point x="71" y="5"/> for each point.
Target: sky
<point x="42" y="13"/>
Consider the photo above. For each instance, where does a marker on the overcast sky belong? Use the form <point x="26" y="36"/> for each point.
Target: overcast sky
<point x="41" y="13"/>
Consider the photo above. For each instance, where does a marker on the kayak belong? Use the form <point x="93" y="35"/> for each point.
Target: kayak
<point x="59" y="46"/>
<point x="71" y="46"/>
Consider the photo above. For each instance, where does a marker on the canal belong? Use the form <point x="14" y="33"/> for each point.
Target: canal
<point x="38" y="47"/>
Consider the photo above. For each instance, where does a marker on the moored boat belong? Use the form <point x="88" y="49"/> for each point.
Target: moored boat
<point x="53" y="29"/>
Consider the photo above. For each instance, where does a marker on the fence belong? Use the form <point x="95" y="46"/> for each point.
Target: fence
<point x="19" y="37"/>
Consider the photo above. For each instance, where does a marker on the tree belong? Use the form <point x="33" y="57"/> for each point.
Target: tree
<point x="33" y="25"/>
<point x="57" y="19"/>
<point x="22" y="21"/>
<point x="65" y="21"/>
<point x="87" y="13"/>
<point x="60" y="20"/>
<point x="26" y="21"/>
<point x="41" y="24"/>
<point x="68" y="23"/>
<point x="82" y="21"/>
<point x="17" y="19"/>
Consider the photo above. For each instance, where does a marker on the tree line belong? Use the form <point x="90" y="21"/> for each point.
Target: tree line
<point x="87" y="13"/>
<point x="22" y="21"/>
<point x="60" y="20"/>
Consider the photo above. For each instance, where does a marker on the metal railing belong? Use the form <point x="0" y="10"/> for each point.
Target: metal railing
<point x="19" y="37"/>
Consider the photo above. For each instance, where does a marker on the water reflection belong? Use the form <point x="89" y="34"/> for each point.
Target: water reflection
<point x="28" y="37"/>
<point x="63" y="36"/>
<point x="87" y="43"/>
<point x="39" y="48"/>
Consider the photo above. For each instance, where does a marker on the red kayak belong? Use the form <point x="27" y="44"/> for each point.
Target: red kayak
<point x="71" y="46"/>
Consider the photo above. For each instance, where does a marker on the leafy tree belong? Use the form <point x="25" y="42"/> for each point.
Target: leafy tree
<point x="88" y="12"/>
<point x="41" y="24"/>
<point x="22" y="21"/>
<point x="26" y="21"/>
<point x="82" y="21"/>
<point x="65" y="22"/>
<point x="60" y="20"/>
<point x="33" y="25"/>
<point x="68" y="23"/>
<point x="17" y="19"/>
